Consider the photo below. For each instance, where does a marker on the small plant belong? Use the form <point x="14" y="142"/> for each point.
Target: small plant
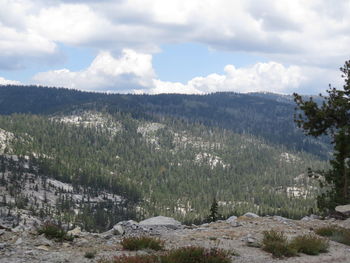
<point x="310" y="244"/>
<point x="196" y="254"/>
<point x="335" y="233"/>
<point x="277" y="244"/>
<point x="133" y="259"/>
<point x="139" y="243"/>
<point x="90" y="254"/>
<point x="54" y="231"/>
<point x="214" y="211"/>
<point x="326" y="231"/>
<point x="180" y="255"/>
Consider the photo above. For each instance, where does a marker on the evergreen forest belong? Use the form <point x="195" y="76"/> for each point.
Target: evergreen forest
<point x="159" y="154"/>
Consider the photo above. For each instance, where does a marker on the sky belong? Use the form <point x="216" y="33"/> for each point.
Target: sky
<point x="175" y="46"/>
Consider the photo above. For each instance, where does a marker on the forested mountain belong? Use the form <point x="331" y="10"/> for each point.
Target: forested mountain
<point x="162" y="154"/>
<point x="267" y="116"/>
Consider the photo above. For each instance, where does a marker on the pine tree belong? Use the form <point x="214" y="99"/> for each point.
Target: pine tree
<point x="331" y="118"/>
<point x="214" y="211"/>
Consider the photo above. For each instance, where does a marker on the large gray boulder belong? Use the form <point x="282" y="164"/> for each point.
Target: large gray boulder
<point x="118" y="230"/>
<point x="251" y="215"/>
<point x="160" y="221"/>
<point x="343" y="209"/>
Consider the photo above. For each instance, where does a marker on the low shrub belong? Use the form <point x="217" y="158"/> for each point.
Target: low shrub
<point x="54" y="231"/>
<point x="277" y="244"/>
<point x="310" y="244"/>
<point x="195" y="255"/>
<point x="133" y="259"/>
<point x="326" y="231"/>
<point x="139" y="243"/>
<point x="180" y="255"/>
<point x="90" y="254"/>
<point x="335" y="233"/>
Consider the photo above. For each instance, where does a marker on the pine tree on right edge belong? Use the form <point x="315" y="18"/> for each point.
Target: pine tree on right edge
<point x="330" y="118"/>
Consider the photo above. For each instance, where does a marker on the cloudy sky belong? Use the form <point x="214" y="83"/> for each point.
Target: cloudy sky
<point x="175" y="46"/>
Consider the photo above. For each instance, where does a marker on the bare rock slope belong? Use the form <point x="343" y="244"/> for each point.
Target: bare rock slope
<point x="25" y="245"/>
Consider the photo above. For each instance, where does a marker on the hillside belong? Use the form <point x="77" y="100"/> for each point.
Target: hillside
<point x="267" y="116"/>
<point x="173" y="167"/>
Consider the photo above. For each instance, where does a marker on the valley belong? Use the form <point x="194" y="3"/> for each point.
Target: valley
<point x="156" y="163"/>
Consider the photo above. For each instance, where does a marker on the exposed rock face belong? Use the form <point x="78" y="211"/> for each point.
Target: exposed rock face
<point x="5" y="138"/>
<point x="16" y="247"/>
<point x="160" y="221"/>
<point x="343" y="209"/>
<point x="251" y="215"/>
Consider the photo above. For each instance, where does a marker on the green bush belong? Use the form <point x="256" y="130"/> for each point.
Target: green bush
<point x="310" y="244"/>
<point x="90" y="254"/>
<point x="277" y="244"/>
<point x="139" y="243"/>
<point x="335" y="233"/>
<point x="54" y="231"/>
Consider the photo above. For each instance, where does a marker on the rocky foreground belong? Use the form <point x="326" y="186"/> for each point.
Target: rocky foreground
<point x="23" y="244"/>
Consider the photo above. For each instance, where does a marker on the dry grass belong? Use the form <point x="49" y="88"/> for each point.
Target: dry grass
<point x="180" y="255"/>
<point x="335" y="233"/>
<point x="143" y="242"/>
<point x="310" y="244"/>
<point x="278" y="245"/>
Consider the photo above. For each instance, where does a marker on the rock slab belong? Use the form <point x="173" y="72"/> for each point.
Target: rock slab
<point x="343" y="209"/>
<point x="160" y="221"/>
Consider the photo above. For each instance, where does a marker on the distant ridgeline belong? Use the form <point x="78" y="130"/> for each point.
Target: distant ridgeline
<point x="265" y="115"/>
<point x="162" y="154"/>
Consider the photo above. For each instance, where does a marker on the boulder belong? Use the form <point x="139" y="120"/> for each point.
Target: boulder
<point x="108" y="234"/>
<point x="312" y="216"/>
<point x="45" y="248"/>
<point x="235" y="224"/>
<point x="118" y="230"/>
<point x="75" y="232"/>
<point x="160" y="221"/>
<point x="43" y="241"/>
<point x="280" y="219"/>
<point x="231" y="219"/>
<point x="251" y="241"/>
<point x="19" y="241"/>
<point x="251" y="215"/>
<point x="343" y="209"/>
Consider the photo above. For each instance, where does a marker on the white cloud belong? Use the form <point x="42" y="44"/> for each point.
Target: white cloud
<point x="19" y="43"/>
<point x="312" y="35"/>
<point x="70" y="24"/>
<point x="133" y="72"/>
<point x="272" y="76"/>
<point x="4" y="81"/>
<point x="130" y="71"/>
<point x="292" y="32"/>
